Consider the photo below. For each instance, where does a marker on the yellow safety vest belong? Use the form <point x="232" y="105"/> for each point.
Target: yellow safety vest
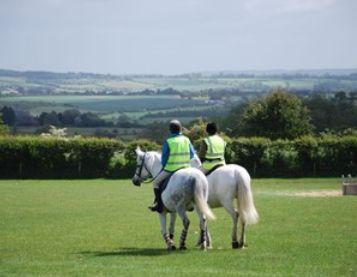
<point x="215" y="152"/>
<point x="179" y="156"/>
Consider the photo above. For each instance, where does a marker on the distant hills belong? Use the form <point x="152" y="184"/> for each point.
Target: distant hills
<point x="310" y="72"/>
<point x="14" y="82"/>
<point x="272" y="72"/>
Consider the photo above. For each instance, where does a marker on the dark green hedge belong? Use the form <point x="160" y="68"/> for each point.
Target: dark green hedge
<point x="36" y="157"/>
<point x="303" y="157"/>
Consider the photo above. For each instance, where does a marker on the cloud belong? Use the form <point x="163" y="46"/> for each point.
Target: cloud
<point x="286" y="6"/>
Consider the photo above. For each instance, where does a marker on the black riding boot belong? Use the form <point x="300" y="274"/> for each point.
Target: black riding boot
<point x="157" y="206"/>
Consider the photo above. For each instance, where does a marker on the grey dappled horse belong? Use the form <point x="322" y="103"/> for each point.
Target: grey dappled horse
<point x="187" y="188"/>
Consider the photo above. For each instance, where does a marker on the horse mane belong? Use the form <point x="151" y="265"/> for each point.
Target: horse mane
<point x="155" y="155"/>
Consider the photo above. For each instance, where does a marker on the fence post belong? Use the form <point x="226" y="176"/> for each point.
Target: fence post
<point x="20" y="169"/>
<point x="79" y="168"/>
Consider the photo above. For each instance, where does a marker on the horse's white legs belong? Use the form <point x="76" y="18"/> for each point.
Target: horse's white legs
<point x="203" y="229"/>
<point x="228" y="205"/>
<point x="166" y="236"/>
<point x="209" y="239"/>
<point x="242" y="243"/>
<point x="172" y="225"/>
<point x="186" y="224"/>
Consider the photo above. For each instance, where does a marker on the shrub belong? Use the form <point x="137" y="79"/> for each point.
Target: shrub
<point x="249" y="153"/>
<point x="36" y="157"/>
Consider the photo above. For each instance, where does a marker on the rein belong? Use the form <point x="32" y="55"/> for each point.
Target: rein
<point x="143" y="164"/>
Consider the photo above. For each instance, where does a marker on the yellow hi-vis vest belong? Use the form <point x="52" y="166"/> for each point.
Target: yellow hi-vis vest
<point x="215" y="152"/>
<point x="179" y="156"/>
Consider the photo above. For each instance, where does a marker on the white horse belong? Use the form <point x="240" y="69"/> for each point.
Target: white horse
<point x="226" y="184"/>
<point x="187" y="188"/>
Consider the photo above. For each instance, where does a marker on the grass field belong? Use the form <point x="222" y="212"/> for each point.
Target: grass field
<point x="101" y="104"/>
<point x="102" y="227"/>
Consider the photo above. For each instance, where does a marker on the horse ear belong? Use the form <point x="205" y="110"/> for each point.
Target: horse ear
<point x="138" y="150"/>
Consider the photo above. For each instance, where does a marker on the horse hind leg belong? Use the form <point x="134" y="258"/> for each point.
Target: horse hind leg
<point x="204" y="240"/>
<point x="228" y="206"/>
<point x="209" y="239"/>
<point x="186" y="224"/>
<point x="172" y="225"/>
<point x="242" y="243"/>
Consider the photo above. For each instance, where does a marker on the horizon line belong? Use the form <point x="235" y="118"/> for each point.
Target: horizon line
<point x="212" y="72"/>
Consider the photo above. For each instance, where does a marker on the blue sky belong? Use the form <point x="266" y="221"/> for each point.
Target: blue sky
<point x="177" y="36"/>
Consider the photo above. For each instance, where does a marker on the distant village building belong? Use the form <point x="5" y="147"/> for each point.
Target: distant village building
<point x="9" y="91"/>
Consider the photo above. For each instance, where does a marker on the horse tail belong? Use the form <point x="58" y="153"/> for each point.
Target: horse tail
<point x="200" y="196"/>
<point x="246" y="208"/>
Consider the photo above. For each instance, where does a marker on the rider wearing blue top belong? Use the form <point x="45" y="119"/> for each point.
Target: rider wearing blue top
<point x="166" y="150"/>
<point x="175" y="131"/>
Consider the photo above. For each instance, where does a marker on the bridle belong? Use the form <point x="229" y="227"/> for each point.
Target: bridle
<point x="140" y="167"/>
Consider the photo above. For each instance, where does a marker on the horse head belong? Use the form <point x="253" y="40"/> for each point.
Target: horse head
<point x="142" y="172"/>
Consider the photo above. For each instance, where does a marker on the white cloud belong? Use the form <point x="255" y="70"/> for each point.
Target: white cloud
<point x="286" y="6"/>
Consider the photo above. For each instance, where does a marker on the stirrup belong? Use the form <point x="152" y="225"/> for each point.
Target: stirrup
<point x="153" y="207"/>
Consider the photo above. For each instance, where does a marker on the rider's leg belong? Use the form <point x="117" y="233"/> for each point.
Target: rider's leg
<point x="157" y="205"/>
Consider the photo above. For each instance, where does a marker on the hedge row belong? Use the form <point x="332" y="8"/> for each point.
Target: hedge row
<point x="36" y="157"/>
<point x="303" y="157"/>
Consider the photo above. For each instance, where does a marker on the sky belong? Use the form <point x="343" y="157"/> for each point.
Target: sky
<point x="177" y="36"/>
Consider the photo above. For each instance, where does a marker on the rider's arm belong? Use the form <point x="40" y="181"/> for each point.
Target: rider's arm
<point x="165" y="154"/>
<point x="192" y="151"/>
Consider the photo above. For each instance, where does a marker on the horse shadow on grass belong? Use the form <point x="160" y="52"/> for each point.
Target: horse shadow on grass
<point x="130" y="251"/>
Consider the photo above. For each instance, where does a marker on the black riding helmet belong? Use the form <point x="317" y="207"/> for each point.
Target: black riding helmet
<point x="175" y="126"/>
<point x="211" y="128"/>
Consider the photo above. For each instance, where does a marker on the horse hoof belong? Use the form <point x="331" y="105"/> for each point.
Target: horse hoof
<point x="235" y="245"/>
<point x="183" y="247"/>
<point x="171" y="248"/>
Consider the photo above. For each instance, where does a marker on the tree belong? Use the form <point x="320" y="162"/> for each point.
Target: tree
<point x="4" y="130"/>
<point x="333" y="114"/>
<point x="90" y="119"/>
<point x="49" y="118"/>
<point x="231" y="124"/>
<point x="156" y="131"/>
<point x="69" y="116"/>
<point x="8" y="116"/>
<point x="278" y="115"/>
<point x="25" y="118"/>
<point x="197" y="130"/>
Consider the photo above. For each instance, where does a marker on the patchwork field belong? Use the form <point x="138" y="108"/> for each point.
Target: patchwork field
<point x="102" y="227"/>
<point x="80" y="83"/>
<point x="106" y="104"/>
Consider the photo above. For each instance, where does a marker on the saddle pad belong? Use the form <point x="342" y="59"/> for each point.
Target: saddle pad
<point x="213" y="169"/>
<point x="163" y="184"/>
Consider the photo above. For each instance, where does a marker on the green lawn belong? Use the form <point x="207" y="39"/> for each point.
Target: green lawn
<point x="102" y="227"/>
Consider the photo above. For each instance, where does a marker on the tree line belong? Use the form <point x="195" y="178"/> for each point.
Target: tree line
<point x="283" y="115"/>
<point x="276" y="115"/>
<point x="67" y="118"/>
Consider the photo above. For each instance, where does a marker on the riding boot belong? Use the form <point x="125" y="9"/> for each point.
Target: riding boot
<point x="157" y="206"/>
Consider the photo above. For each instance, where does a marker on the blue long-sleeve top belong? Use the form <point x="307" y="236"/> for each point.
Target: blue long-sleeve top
<point x="166" y="150"/>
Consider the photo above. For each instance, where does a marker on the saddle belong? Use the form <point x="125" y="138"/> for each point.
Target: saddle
<point x="213" y="169"/>
<point x="163" y="185"/>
